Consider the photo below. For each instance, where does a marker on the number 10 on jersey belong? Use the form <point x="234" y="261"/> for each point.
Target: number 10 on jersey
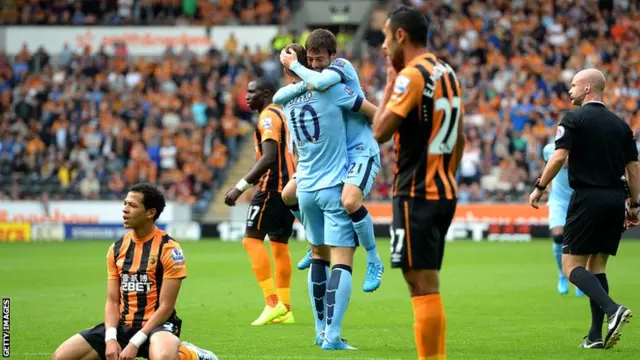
<point x="300" y="123"/>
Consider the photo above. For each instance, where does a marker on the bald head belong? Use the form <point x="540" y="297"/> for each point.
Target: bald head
<point x="587" y="85"/>
<point x="592" y="77"/>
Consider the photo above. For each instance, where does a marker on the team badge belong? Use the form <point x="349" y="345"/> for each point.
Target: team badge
<point x="153" y="259"/>
<point x="559" y="132"/>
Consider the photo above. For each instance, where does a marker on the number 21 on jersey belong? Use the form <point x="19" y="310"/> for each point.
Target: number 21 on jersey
<point x="445" y="140"/>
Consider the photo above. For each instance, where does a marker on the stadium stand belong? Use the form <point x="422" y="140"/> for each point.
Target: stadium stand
<point x="515" y="60"/>
<point x="145" y="12"/>
<point x="88" y="124"/>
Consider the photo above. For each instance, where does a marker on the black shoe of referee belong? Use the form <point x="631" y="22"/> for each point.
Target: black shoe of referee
<point x="588" y="344"/>
<point x="614" y="326"/>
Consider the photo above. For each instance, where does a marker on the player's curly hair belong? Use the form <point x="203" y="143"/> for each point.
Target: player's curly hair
<point x="152" y="197"/>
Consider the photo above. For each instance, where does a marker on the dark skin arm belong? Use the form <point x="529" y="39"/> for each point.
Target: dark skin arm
<point x="269" y="156"/>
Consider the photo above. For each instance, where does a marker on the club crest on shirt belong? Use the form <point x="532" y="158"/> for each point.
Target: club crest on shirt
<point x="559" y="132"/>
<point x="153" y="259"/>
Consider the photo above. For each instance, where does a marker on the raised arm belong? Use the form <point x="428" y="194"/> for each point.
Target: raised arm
<point x="401" y="95"/>
<point x="318" y="80"/>
<point x="288" y="92"/>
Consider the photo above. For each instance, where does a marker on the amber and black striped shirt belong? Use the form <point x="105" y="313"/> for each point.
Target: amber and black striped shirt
<point x="141" y="265"/>
<point x="428" y="95"/>
<point x="273" y="126"/>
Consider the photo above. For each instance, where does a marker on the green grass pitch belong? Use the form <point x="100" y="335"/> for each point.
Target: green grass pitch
<point x="500" y="301"/>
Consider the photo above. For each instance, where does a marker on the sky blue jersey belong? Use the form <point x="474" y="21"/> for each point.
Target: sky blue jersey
<point x="317" y="127"/>
<point x="560" y="189"/>
<point x="360" y="140"/>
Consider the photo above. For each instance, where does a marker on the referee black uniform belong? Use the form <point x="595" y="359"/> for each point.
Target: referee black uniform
<point x="600" y="146"/>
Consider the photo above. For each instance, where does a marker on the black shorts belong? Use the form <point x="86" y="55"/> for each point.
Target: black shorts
<point x="268" y="215"/>
<point x="418" y="232"/>
<point x="595" y="218"/>
<point x="95" y="336"/>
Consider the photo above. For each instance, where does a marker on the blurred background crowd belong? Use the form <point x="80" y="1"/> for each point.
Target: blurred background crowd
<point x="86" y="124"/>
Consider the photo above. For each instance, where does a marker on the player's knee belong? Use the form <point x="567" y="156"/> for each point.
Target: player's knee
<point x="422" y="289"/>
<point x="289" y="194"/>
<point x="288" y="199"/>
<point x="321" y="252"/>
<point x="422" y="282"/>
<point x="351" y="205"/>
<point x="279" y="247"/>
<point x="351" y="200"/>
<point x="249" y="242"/>
<point x="61" y="354"/>
<point x="163" y="353"/>
<point x="597" y="264"/>
<point x="58" y="355"/>
<point x="567" y="267"/>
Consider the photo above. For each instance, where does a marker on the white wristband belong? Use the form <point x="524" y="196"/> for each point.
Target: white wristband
<point x="243" y="185"/>
<point x="138" y="339"/>
<point x="110" y="334"/>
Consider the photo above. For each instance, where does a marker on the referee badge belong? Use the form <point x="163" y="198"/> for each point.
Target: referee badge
<point x="559" y="132"/>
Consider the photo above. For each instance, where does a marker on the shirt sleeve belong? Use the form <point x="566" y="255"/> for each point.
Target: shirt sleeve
<point x="566" y="132"/>
<point x="173" y="262"/>
<point x="344" y="69"/>
<point x="286" y="93"/>
<point x="631" y="148"/>
<point x="407" y="91"/>
<point x="318" y="80"/>
<point x="269" y="126"/>
<point x="346" y="98"/>
<point x="112" y="269"/>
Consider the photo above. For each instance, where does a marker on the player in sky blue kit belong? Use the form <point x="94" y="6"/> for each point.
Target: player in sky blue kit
<point x="317" y="127"/>
<point x="362" y="148"/>
<point x="559" y="197"/>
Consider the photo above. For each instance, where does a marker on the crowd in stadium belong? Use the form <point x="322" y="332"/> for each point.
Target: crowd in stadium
<point x="87" y="124"/>
<point x="145" y="12"/>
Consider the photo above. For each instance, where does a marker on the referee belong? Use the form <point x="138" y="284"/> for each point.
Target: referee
<point x="600" y="147"/>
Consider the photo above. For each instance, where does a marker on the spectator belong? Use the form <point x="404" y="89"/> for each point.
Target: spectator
<point x="90" y="186"/>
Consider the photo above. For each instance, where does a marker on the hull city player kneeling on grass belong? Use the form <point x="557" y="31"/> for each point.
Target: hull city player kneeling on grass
<point x="600" y="148"/>
<point x="145" y="270"/>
